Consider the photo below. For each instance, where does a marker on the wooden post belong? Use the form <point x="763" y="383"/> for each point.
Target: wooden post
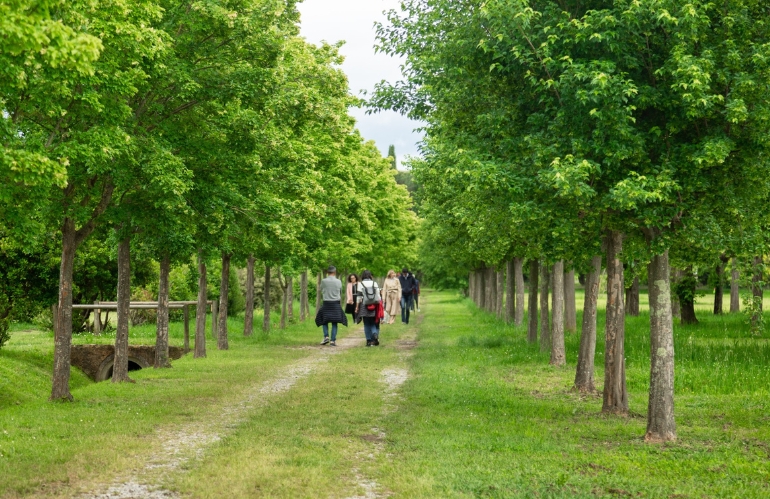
<point x="186" y="312"/>
<point x="97" y="320"/>
<point x="215" y="319"/>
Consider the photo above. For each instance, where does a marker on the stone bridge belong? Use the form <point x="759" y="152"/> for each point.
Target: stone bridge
<point x="96" y="360"/>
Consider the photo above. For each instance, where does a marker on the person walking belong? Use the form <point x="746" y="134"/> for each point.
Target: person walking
<point x="331" y="311"/>
<point x="350" y="296"/>
<point x="367" y="302"/>
<point x="391" y="295"/>
<point x="407" y="296"/>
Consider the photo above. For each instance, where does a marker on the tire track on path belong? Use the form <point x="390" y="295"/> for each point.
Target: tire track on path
<point x="178" y="445"/>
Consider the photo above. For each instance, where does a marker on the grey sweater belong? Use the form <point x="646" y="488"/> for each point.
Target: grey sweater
<point x="330" y="289"/>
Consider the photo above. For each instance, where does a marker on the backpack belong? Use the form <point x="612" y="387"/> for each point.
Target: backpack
<point x="371" y="293"/>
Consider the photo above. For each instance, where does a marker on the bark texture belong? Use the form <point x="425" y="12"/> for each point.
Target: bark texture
<point x="248" y="315"/>
<point x="615" y="392"/>
<point x="518" y="276"/>
<point x="284" y="299"/>
<point x="72" y="238"/>
<point x="200" y="310"/>
<point x="500" y="293"/>
<point x="224" y="291"/>
<point x="491" y="298"/>
<point x="120" y="363"/>
<point x="545" y="326"/>
<point x="304" y="304"/>
<point x="584" y="375"/>
<point x="266" y="310"/>
<point x="510" y="296"/>
<point x="632" y="298"/>
<point x="186" y="316"/>
<point x="570" y="307"/>
<point x="676" y="276"/>
<point x="661" y="426"/>
<point x="558" y="355"/>
<point x="60" y="389"/>
<point x="161" y="325"/>
<point x="534" y="270"/>
<point x="482" y="289"/>
<point x="290" y="297"/>
<point x="719" y="291"/>
<point x="686" y="294"/>
<point x="735" y="296"/>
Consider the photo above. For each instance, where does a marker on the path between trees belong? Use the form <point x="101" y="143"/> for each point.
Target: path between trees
<point x="179" y="445"/>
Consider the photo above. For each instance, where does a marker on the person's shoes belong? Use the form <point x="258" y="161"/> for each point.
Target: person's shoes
<point x="376" y="342"/>
<point x="368" y="343"/>
<point x="333" y="344"/>
<point x="325" y="341"/>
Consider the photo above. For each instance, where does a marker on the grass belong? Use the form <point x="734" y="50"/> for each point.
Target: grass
<point x="482" y="415"/>
<point x="486" y="416"/>
<point x="45" y="448"/>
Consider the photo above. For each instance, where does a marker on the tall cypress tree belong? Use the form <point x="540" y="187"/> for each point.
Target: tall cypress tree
<point x="392" y="156"/>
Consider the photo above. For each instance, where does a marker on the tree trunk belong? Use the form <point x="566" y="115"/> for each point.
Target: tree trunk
<point x="60" y="389"/>
<point x="482" y="288"/>
<point x="534" y="269"/>
<point x="200" y="311"/>
<point x="266" y="317"/>
<point x="570" y="307"/>
<point x="304" y="303"/>
<point x="510" y="293"/>
<point x="518" y="277"/>
<point x="491" y="280"/>
<point x="584" y="376"/>
<point x="290" y="297"/>
<point x="215" y="320"/>
<point x="161" y="326"/>
<point x="500" y="292"/>
<point x="676" y="276"/>
<point x="545" y="328"/>
<point x="615" y="392"/>
<point x="719" y="292"/>
<point x="660" y="410"/>
<point x="757" y="284"/>
<point x="318" y="295"/>
<point x="632" y="298"/>
<point x="558" y="352"/>
<point x="120" y="361"/>
<point x="284" y="293"/>
<point x="248" y="316"/>
<point x="186" y="316"/>
<point x="224" y="291"/>
<point x="686" y="293"/>
<point x="735" y="297"/>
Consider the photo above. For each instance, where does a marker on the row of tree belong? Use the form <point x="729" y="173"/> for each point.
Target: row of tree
<point x="174" y="128"/>
<point x="629" y="132"/>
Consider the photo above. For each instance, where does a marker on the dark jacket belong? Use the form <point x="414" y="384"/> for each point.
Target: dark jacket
<point x="408" y="283"/>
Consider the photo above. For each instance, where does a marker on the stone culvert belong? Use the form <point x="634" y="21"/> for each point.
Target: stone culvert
<point x="96" y="360"/>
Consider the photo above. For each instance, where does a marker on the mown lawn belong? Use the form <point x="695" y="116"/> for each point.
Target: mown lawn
<point x="484" y="415"/>
<point x="47" y="448"/>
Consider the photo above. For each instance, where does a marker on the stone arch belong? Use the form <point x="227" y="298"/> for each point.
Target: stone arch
<point x="105" y="369"/>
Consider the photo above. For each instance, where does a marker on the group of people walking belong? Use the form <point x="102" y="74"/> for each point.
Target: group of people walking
<point x="366" y="302"/>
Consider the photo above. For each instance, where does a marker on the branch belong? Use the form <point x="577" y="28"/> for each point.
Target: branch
<point x="82" y="233"/>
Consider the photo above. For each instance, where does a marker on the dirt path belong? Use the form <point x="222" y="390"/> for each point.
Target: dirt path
<point x="180" y="444"/>
<point x="392" y="378"/>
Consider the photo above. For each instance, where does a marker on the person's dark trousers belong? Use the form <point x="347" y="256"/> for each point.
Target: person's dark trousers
<point x="406" y="304"/>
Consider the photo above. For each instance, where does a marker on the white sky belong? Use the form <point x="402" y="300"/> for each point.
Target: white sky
<point x="353" y="22"/>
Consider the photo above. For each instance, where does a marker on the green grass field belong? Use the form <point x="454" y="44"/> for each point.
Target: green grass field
<point x="482" y="414"/>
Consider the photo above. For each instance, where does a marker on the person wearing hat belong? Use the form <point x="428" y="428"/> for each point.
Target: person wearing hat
<point x="331" y="311"/>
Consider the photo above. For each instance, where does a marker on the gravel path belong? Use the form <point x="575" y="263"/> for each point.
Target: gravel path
<point x="180" y="444"/>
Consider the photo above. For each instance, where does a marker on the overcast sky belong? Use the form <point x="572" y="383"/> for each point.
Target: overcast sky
<point x="353" y="22"/>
